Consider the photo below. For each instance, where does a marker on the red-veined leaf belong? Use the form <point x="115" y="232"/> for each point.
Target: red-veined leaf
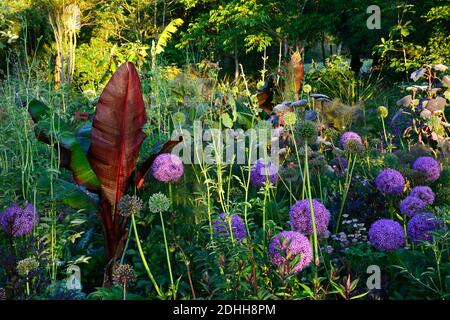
<point x="117" y="135"/>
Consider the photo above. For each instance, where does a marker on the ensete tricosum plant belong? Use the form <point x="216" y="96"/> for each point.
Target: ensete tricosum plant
<point x="102" y="155"/>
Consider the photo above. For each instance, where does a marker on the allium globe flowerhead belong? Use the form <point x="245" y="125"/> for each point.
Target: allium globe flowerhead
<point x="17" y="221"/>
<point x="25" y="266"/>
<point x="167" y="167"/>
<point x="386" y="235"/>
<point x="421" y="225"/>
<point x="158" y="202"/>
<point x="286" y="246"/>
<point x="428" y="167"/>
<point x="262" y="172"/>
<point x="390" y="181"/>
<point x="348" y="136"/>
<point x="424" y="193"/>
<point x="129" y="205"/>
<point x="300" y="217"/>
<point x="221" y="226"/>
<point x="411" y="205"/>
<point x="123" y="275"/>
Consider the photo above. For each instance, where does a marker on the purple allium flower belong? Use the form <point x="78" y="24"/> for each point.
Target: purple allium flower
<point x="300" y="217"/>
<point x="286" y="246"/>
<point x="17" y="221"/>
<point x="386" y="235"/>
<point x="429" y="167"/>
<point x="421" y="225"/>
<point x="167" y="167"/>
<point x="339" y="164"/>
<point x="390" y="181"/>
<point x="349" y="135"/>
<point x="262" y="172"/>
<point x="424" y="193"/>
<point x="222" y="228"/>
<point x="411" y="205"/>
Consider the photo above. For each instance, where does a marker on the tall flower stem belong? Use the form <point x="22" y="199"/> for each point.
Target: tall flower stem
<point x="144" y="261"/>
<point x="348" y="180"/>
<point x="311" y="208"/>
<point x="167" y="256"/>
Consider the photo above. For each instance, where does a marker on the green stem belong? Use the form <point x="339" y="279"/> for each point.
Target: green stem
<point x="144" y="261"/>
<point x="311" y="208"/>
<point x="167" y="255"/>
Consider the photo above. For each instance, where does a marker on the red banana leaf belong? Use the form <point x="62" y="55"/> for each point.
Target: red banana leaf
<point x="117" y="135"/>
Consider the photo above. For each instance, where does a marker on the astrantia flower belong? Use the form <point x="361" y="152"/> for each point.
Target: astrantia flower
<point x="129" y="204"/>
<point x="411" y="205"/>
<point x="428" y="167"/>
<point x="349" y="135"/>
<point x="221" y="226"/>
<point x="421" y="225"/>
<point x="386" y="235"/>
<point x="300" y="217"/>
<point x="290" y="118"/>
<point x="25" y="266"/>
<point x="307" y="88"/>
<point x="424" y="193"/>
<point x="17" y="221"/>
<point x="167" y="167"/>
<point x="286" y="246"/>
<point x="390" y="181"/>
<point x="382" y="111"/>
<point x="123" y="275"/>
<point x="158" y="202"/>
<point x="262" y="172"/>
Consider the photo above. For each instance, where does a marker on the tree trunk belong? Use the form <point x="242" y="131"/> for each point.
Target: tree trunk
<point x="236" y="63"/>
<point x="322" y="44"/>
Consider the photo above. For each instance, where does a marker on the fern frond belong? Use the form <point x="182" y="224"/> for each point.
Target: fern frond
<point x="167" y="34"/>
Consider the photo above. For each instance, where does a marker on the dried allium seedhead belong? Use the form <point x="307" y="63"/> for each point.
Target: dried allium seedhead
<point x="124" y="275"/>
<point x="129" y="205"/>
<point x="25" y="266"/>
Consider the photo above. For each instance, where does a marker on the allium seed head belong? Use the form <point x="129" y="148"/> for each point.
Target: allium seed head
<point x="123" y="275"/>
<point x="25" y="266"/>
<point x="129" y="205"/>
<point x="158" y="202"/>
